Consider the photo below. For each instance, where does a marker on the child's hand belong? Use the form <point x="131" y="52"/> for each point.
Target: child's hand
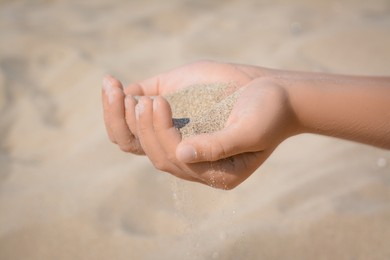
<point x="273" y="106"/>
<point x="152" y="132"/>
<point x="260" y="120"/>
<point x="121" y="128"/>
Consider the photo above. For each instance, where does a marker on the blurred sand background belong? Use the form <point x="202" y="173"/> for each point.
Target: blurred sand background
<point x="67" y="193"/>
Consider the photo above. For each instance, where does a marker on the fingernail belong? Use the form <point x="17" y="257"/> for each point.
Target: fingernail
<point x="108" y="90"/>
<point x="186" y="153"/>
<point x="139" y="109"/>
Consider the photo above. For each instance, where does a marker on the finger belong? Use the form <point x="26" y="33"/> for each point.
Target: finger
<point x="115" y="114"/>
<point x="215" y="146"/>
<point x="130" y="103"/>
<point x="147" y="137"/>
<point x="107" y="100"/>
<point x="228" y="173"/>
<point x="169" y="137"/>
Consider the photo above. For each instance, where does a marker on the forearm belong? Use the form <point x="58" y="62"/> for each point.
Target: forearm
<point x="348" y="107"/>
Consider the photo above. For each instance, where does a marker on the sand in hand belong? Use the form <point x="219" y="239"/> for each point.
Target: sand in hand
<point x="202" y="108"/>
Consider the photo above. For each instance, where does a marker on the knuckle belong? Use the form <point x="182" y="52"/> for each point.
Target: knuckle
<point x="160" y="165"/>
<point x="142" y="129"/>
<point x="130" y="146"/>
<point x="126" y="148"/>
<point x="216" y="151"/>
<point x="171" y="157"/>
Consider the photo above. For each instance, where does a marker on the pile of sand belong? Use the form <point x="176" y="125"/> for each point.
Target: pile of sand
<point x="202" y="108"/>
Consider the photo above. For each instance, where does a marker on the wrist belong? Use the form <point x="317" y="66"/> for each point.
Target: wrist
<point x="280" y="107"/>
<point x="308" y="96"/>
<point x="291" y="84"/>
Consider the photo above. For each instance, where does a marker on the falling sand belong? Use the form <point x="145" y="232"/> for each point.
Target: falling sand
<point x="202" y="108"/>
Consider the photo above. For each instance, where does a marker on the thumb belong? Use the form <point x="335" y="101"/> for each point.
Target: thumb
<point x="214" y="146"/>
<point x="231" y="140"/>
<point x="257" y="122"/>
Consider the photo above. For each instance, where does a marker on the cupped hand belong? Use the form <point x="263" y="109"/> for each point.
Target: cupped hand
<point x="260" y="120"/>
<point x="273" y="106"/>
<point x="121" y="127"/>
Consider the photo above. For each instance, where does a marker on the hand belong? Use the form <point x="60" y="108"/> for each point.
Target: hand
<point x="260" y="120"/>
<point x="223" y="159"/>
<point x="273" y="106"/>
<point x="121" y="128"/>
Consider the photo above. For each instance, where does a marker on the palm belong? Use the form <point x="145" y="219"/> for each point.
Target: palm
<point x="247" y="138"/>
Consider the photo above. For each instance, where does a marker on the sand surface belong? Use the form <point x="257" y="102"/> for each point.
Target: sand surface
<point x="67" y="193"/>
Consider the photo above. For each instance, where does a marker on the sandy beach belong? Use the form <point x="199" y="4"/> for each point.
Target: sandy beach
<point x="66" y="192"/>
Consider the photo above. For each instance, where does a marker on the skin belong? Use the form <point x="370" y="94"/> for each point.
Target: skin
<point x="274" y="106"/>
